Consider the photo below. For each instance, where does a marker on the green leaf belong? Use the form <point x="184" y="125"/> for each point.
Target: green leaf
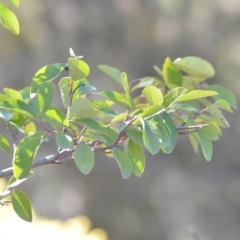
<point x="78" y="69"/>
<point x="196" y="94"/>
<point x="210" y="133"/>
<point x="218" y="114"/>
<point x="19" y="107"/>
<point x="150" y="139"/>
<point x="135" y="135"/>
<point x="173" y="96"/>
<point x="84" y="87"/>
<point x="84" y="158"/>
<point x="137" y="157"/>
<point x="171" y="75"/>
<point x="90" y="123"/>
<point x="45" y="96"/>
<point x="223" y="105"/>
<point x="171" y="130"/>
<point x="15" y="3"/>
<point x="113" y="73"/>
<point x="125" y="84"/>
<point x="4" y="114"/>
<point x="144" y="82"/>
<point x="223" y="93"/>
<point x="151" y="111"/>
<point x="12" y="93"/>
<point x="153" y="95"/>
<point x="13" y="182"/>
<point x="63" y="141"/>
<point x="22" y="205"/>
<point x="4" y="144"/>
<point x="83" y="108"/>
<point x="25" y="153"/>
<point x="124" y="162"/>
<point x="116" y="98"/>
<point x="195" y="66"/>
<point x="8" y="19"/>
<point x="56" y="117"/>
<point x="194" y="140"/>
<point x="206" y="146"/>
<point x="104" y="107"/>
<point x="119" y="118"/>
<point x="46" y="74"/>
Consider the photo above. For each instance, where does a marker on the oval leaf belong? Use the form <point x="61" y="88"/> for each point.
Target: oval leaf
<point x="56" y="117"/>
<point x="196" y="94"/>
<point x="22" y="205"/>
<point x="124" y="162"/>
<point x="84" y="158"/>
<point x="78" y="69"/>
<point x="195" y="66"/>
<point x="206" y="146"/>
<point x="153" y="95"/>
<point x="63" y="141"/>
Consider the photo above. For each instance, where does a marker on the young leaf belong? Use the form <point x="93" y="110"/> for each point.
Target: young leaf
<point x="153" y="95"/>
<point x="171" y="75"/>
<point x="25" y="153"/>
<point x="150" y="139"/>
<point x="45" y="96"/>
<point x="124" y="162"/>
<point x="63" y="141"/>
<point x="46" y="74"/>
<point x="78" y="69"/>
<point x="113" y="73"/>
<point x="116" y="98"/>
<point x="8" y="19"/>
<point x="22" y="205"/>
<point x="206" y="146"/>
<point x="4" y="144"/>
<point x="84" y="158"/>
<point x="196" y="94"/>
<point x="173" y="96"/>
<point x="56" y="117"/>
<point x="137" y="157"/>
<point x="195" y="66"/>
<point x="125" y="84"/>
<point x="83" y="108"/>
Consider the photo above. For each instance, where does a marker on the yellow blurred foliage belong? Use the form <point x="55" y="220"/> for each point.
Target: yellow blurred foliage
<point x="11" y="226"/>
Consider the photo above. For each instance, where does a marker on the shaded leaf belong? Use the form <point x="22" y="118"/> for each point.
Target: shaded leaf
<point x="206" y="146"/>
<point x="13" y="182"/>
<point x="63" y="141"/>
<point x="113" y="73"/>
<point x="135" y="135"/>
<point x="210" y="133"/>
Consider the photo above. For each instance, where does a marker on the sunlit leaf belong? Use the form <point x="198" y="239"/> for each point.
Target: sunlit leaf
<point x="8" y="19"/>
<point x="196" y="94"/>
<point x="56" y="117"/>
<point x="12" y="93"/>
<point x="4" y="144"/>
<point x="22" y="205"/>
<point x="30" y="127"/>
<point x="78" y="69"/>
<point x="13" y="182"/>
<point x="173" y="96"/>
<point x="195" y="66"/>
<point x="137" y="157"/>
<point x="15" y="3"/>
<point x="153" y="95"/>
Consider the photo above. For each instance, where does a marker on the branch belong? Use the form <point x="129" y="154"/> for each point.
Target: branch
<point x="60" y="157"/>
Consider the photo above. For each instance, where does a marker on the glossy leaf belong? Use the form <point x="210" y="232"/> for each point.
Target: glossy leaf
<point x="116" y="98"/>
<point x="206" y="146"/>
<point x="153" y="95"/>
<point x="171" y="75"/>
<point x="8" y="19"/>
<point x="4" y="144"/>
<point x="196" y="94"/>
<point x="46" y="74"/>
<point x="171" y="130"/>
<point x="173" y="96"/>
<point x="63" y="141"/>
<point x="84" y="158"/>
<point x="22" y="205"/>
<point x="78" y="69"/>
<point x="223" y="93"/>
<point x="25" y="153"/>
<point x="45" y="96"/>
<point x="150" y="139"/>
<point x="83" y="108"/>
<point x="56" y="117"/>
<point x="113" y="73"/>
<point x="195" y="66"/>
<point x="124" y="162"/>
<point x="137" y="157"/>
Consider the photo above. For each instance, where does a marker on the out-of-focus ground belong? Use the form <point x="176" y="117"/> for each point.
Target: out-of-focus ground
<point x="179" y="195"/>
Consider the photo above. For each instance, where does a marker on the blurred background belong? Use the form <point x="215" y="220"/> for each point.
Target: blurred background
<point x="180" y="196"/>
